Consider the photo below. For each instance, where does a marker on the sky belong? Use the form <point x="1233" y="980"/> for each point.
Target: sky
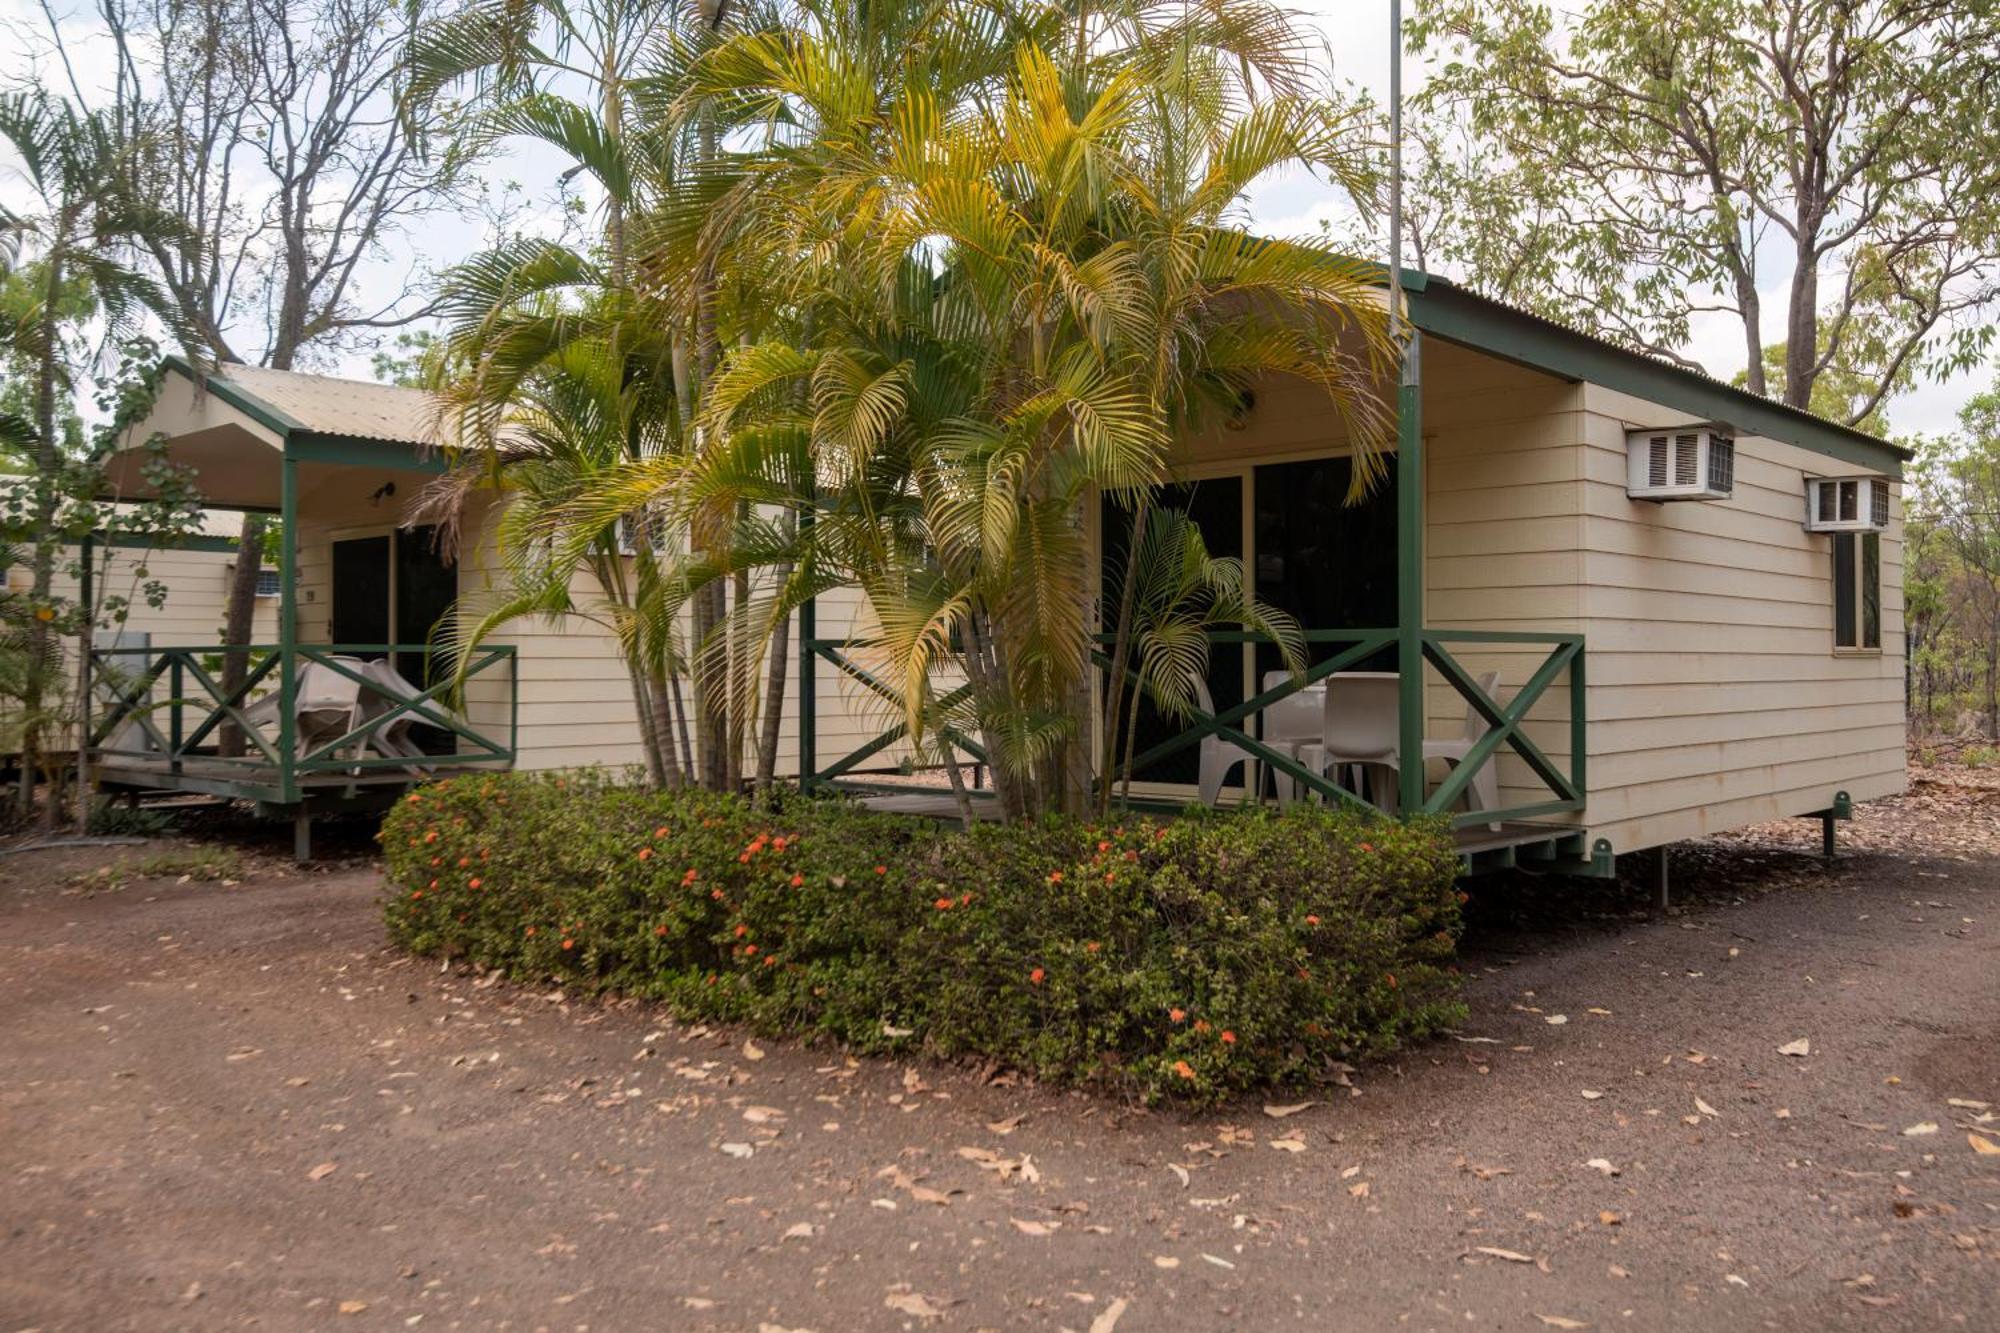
<point x="1357" y="33"/>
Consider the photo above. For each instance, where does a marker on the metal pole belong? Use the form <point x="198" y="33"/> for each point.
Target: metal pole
<point x="1409" y="468"/>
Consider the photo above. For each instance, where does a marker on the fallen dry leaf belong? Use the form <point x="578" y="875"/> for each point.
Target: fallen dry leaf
<point x="1967" y="1104"/>
<point x="1799" y="1047"/>
<point x="1558" y="1321"/>
<point x="1556" y="1020"/>
<point x="1165" y="1261"/>
<point x="1705" y="1108"/>
<point x="1984" y="1146"/>
<point x="1601" y="1166"/>
<point x="1488" y="1172"/>
<point x="752" y="1051"/>
<point x="1108" y="1318"/>
<point x="1511" y="1256"/>
<point x="1007" y="1126"/>
<point x="322" y="1171"/>
<point x="738" y="1150"/>
<point x="1609" y="1218"/>
<point x="1920" y="1129"/>
<point x="800" y="1231"/>
<point x="905" y="1301"/>
<point x="1280" y="1112"/>
<point x="1358" y="1190"/>
<point x="1027" y="1228"/>
<point x="925" y="1194"/>
<point x="1290" y="1143"/>
<point x="352" y="1307"/>
<point x="1591" y="1094"/>
<point x="763" y="1115"/>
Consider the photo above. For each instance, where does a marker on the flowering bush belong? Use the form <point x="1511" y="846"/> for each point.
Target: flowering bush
<point x="1186" y="959"/>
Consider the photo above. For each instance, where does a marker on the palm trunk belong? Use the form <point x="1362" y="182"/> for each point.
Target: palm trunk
<point x="775" y="672"/>
<point x="1121" y="649"/>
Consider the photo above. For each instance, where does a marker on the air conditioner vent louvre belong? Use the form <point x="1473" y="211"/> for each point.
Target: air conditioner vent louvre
<point x="1846" y="504"/>
<point x="1691" y="463"/>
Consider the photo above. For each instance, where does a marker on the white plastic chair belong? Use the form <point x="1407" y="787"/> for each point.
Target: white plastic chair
<point x="1292" y="725"/>
<point x="1358" y="728"/>
<point x="325" y="704"/>
<point x="1218" y="757"/>
<point x="1483" y="792"/>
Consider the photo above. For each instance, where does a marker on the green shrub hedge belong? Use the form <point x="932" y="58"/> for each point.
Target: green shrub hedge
<point x="1190" y="958"/>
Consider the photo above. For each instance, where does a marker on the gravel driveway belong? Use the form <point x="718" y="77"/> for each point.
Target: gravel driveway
<point x="232" y="1106"/>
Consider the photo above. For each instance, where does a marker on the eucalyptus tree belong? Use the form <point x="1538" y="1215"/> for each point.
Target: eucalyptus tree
<point x="1634" y="164"/>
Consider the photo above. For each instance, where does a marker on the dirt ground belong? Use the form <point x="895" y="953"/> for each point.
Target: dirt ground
<point x="228" y="1104"/>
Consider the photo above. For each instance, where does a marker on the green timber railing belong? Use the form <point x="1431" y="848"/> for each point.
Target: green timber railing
<point x="1566" y="784"/>
<point x="160" y="716"/>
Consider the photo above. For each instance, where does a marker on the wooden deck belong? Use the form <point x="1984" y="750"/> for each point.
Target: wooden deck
<point x="1548" y="846"/>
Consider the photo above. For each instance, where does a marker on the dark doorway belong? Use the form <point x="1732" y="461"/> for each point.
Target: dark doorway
<point x="1216" y="506"/>
<point x="426" y="587"/>
<point x="361" y="599"/>
<point x="1329" y="563"/>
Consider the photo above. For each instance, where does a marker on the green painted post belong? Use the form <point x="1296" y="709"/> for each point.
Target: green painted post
<point x="808" y="662"/>
<point x="1410" y="576"/>
<point x="288" y="623"/>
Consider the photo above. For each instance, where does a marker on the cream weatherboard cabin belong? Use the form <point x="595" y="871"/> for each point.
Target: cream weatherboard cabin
<point x="1654" y="606"/>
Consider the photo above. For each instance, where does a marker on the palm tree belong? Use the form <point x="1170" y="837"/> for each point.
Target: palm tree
<point x="77" y="232"/>
<point x="1026" y="285"/>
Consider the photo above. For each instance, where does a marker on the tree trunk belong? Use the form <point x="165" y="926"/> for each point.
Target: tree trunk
<point x="774" y="692"/>
<point x="1121" y="651"/>
<point x="239" y="621"/>
<point x="1802" y="325"/>
<point x="48" y="467"/>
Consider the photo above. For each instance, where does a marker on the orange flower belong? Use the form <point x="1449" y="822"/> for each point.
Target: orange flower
<point x="770" y="960"/>
<point x="569" y="944"/>
<point x="416" y="893"/>
<point x="1093" y="946"/>
<point x="690" y="877"/>
<point x="1228" y="1037"/>
<point x="798" y="881"/>
<point x="472" y="883"/>
<point x="660" y="832"/>
<point x="1055" y="877"/>
<point x="1312" y="921"/>
<point x="659" y="930"/>
<point x="1391" y="977"/>
<point x="1367" y="846"/>
<point x="415" y="799"/>
<point x="749" y="951"/>
<point x="645" y="853"/>
<point x="741" y="931"/>
<point x="1103" y="846"/>
<point x="431" y="836"/>
<point x="1035" y="977"/>
<point x="881" y="870"/>
<point x="715" y="894"/>
<point x="965" y="899"/>
<point x="778" y="844"/>
<point x="1176" y="1015"/>
<point x="1110" y="878"/>
<point x="464" y="861"/>
<point x="942" y="904"/>
<point x="531" y="931"/>
<point x="1184" y="1069"/>
<point x="1201" y="1025"/>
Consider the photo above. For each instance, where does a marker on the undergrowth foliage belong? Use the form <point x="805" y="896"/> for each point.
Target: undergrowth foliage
<point x="1188" y="959"/>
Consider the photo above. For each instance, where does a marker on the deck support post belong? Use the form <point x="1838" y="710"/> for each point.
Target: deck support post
<point x="288" y="634"/>
<point x="1410" y="575"/>
<point x="302" y="835"/>
<point x="1826" y="834"/>
<point x="1661" y="883"/>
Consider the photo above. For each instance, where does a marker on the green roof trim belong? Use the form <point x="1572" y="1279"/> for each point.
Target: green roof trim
<point x="353" y="451"/>
<point x="1445" y="310"/>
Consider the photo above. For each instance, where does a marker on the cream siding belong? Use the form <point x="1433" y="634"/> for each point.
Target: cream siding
<point x="1717" y="698"/>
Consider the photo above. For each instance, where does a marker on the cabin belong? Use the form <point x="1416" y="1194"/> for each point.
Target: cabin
<point x="196" y="569"/>
<point x="1614" y="603"/>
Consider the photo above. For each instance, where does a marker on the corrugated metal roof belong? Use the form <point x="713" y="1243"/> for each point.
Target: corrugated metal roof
<point x="327" y="405"/>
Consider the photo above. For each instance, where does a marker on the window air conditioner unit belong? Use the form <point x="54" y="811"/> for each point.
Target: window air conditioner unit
<point x="1846" y="504"/>
<point x="1682" y="463"/>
